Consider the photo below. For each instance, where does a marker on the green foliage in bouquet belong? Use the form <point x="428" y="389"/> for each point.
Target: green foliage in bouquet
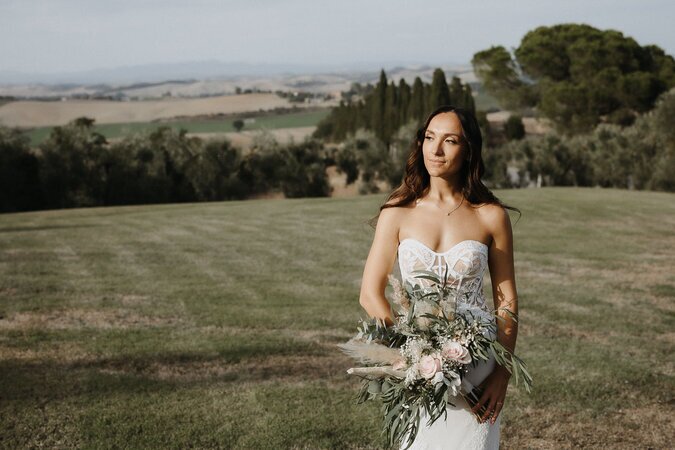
<point x="418" y="364"/>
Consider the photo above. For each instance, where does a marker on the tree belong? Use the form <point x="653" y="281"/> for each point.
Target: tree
<point x="417" y="108"/>
<point x="19" y="173"/>
<point x="72" y="170"/>
<point x="439" y="94"/>
<point x="404" y="94"/>
<point x="391" y="113"/>
<point x="501" y="77"/>
<point x="215" y="172"/>
<point x="377" y="102"/>
<point x="303" y="173"/>
<point x="461" y="95"/>
<point x="577" y="75"/>
<point x="514" y="128"/>
<point x="178" y="152"/>
<point x="238" y="124"/>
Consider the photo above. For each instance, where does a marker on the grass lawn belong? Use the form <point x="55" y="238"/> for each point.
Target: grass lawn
<point x="214" y="325"/>
<point x="116" y="130"/>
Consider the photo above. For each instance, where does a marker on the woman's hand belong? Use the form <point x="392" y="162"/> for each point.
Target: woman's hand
<point x="493" y="394"/>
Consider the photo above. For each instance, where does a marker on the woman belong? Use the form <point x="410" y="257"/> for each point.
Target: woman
<point x="443" y="214"/>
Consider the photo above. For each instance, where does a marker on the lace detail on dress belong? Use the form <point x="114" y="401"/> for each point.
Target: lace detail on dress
<point x="464" y="264"/>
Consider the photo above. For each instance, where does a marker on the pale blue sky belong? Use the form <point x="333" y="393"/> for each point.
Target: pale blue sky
<point x="70" y="35"/>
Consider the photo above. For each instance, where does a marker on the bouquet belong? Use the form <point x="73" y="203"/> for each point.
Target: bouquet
<point x="419" y="363"/>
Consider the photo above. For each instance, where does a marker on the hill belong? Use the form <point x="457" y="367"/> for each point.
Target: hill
<point x="193" y="82"/>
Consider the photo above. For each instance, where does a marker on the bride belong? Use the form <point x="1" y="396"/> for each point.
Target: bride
<point x="442" y="215"/>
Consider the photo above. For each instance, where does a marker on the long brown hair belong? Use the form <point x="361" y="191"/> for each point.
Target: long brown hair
<point x="416" y="184"/>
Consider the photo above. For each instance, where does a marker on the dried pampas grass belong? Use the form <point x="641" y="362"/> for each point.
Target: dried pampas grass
<point x="370" y="353"/>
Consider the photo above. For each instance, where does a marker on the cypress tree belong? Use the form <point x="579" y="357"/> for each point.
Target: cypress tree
<point x="377" y="110"/>
<point x="456" y="92"/>
<point x="440" y="94"/>
<point x="469" y="102"/>
<point x="417" y="107"/>
<point x="403" y="101"/>
<point x="391" y="106"/>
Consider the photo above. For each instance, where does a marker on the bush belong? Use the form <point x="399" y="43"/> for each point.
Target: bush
<point x="20" y="188"/>
<point x="641" y="156"/>
<point x="514" y="128"/>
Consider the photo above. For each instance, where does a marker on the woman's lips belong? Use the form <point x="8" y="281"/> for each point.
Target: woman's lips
<point x="437" y="162"/>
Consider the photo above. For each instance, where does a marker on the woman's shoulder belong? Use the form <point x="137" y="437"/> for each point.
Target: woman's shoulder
<point x="492" y="215"/>
<point x="393" y="213"/>
<point x="489" y="208"/>
<point x="397" y="205"/>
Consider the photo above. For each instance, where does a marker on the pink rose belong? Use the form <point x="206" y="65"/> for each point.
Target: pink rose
<point x="455" y="351"/>
<point x="428" y="366"/>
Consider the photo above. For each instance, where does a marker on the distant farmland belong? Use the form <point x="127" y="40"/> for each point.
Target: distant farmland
<point x="201" y="126"/>
<point x="35" y="114"/>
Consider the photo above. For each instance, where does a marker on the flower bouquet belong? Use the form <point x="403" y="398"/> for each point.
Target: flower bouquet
<point x="419" y="363"/>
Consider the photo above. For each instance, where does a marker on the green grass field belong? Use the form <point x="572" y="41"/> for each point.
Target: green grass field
<point x="214" y="325"/>
<point x="117" y="130"/>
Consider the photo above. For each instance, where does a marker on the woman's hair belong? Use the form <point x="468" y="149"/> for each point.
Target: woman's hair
<point x="415" y="183"/>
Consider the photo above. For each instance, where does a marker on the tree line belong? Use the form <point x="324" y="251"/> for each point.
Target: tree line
<point x="78" y="167"/>
<point x="639" y="156"/>
<point x="386" y="107"/>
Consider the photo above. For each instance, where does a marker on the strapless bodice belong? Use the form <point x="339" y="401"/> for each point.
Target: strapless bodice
<point x="465" y="263"/>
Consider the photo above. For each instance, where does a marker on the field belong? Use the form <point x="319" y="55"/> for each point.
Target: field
<point x="214" y="325"/>
<point x="33" y="114"/>
<point x="205" y="128"/>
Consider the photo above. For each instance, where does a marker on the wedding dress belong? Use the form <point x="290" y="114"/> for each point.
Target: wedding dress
<point x="466" y="262"/>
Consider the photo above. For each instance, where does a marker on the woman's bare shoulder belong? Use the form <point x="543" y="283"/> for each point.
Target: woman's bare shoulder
<point x="493" y="216"/>
<point x="392" y="215"/>
<point x="392" y="212"/>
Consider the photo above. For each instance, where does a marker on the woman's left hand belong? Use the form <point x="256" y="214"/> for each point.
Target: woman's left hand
<point x="494" y="393"/>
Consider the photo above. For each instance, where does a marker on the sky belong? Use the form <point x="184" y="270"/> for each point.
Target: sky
<point x="52" y="36"/>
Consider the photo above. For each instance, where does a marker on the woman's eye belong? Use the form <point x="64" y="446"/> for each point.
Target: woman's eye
<point x="427" y="137"/>
<point x="451" y="141"/>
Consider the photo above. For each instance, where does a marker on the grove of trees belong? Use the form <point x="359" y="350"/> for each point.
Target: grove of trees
<point x="577" y="76"/>
<point x="388" y="106"/>
<point x="640" y="156"/>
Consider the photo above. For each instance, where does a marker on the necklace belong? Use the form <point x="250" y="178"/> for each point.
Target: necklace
<point x="453" y="210"/>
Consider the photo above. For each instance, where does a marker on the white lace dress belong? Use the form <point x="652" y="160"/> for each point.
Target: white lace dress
<point x="467" y="262"/>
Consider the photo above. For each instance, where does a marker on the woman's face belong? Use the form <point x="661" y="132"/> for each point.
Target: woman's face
<point x="443" y="150"/>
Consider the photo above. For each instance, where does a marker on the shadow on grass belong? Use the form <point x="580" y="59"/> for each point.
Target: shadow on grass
<point x="44" y="228"/>
<point x="48" y="380"/>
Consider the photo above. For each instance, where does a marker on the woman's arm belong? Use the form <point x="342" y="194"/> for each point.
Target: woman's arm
<point x="502" y="274"/>
<point x="379" y="265"/>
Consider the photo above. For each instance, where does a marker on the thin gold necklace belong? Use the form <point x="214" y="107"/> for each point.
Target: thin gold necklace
<point x="453" y="210"/>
